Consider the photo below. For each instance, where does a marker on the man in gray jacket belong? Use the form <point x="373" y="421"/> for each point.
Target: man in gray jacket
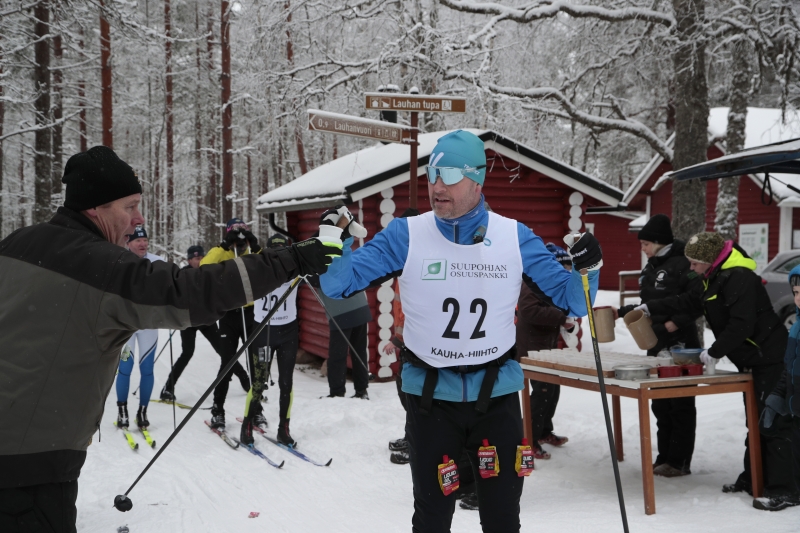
<point x="72" y="297"/>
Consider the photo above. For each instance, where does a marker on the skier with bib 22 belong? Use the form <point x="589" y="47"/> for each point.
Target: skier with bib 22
<point x="460" y="269"/>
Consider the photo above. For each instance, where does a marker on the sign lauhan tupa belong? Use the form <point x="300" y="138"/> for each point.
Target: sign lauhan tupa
<point x="357" y="126"/>
<point x="414" y="102"/>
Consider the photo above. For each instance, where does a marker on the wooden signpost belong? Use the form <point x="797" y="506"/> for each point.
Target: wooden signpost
<point x="386" y="131"/>
<point x="357" y="127"/>
<point x="414" y="103"/>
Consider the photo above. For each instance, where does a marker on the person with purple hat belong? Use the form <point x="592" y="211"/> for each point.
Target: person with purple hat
<point x="237" y="324"/>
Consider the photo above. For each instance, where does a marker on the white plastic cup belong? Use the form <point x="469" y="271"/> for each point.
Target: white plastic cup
<point x="711" y="368"/>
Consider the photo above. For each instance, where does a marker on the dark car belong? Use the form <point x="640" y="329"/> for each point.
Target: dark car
<point x="776" y="275"/>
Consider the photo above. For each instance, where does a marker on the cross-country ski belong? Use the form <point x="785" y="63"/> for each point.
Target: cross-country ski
<point x="289" y="449"/>
<point x="128" y="437"/>
<point x="258" y="453"/>
<point x="170" y="402"/>
<point x="147" y="437"/>
<point x="223" y="435"/>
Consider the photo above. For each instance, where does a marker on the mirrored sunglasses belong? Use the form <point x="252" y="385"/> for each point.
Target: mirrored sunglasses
<point x="450" y="175"/>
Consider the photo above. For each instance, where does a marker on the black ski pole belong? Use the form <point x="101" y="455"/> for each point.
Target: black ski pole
<point x="122" y="502"/>
<point x="171" y="383"/>
<point x="171" y="333"/>
<point x="353" y="350"/>
<point x="599" y="365"/>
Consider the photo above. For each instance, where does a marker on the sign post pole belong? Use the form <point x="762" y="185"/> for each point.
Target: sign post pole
<point x="412" y="170"/>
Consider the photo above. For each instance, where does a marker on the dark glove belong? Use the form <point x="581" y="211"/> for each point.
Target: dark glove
<point x="252" y="241"/>
<point x="231" y="238"/>
<point x="313" y="256"/>
<point x="624" y="310"/>
<point x="775" y="405"/>
<point x="586" y="253"/>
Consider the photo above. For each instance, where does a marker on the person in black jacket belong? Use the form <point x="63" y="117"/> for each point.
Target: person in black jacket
<point x="747" y="331"/>
<point x="666" y="274"/>
<point x="72" y="297"/>
<point x="194" y="255"/>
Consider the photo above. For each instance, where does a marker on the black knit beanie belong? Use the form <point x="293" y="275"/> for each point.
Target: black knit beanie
<point x="657" y="230"/>
<point x="96" y="177"/>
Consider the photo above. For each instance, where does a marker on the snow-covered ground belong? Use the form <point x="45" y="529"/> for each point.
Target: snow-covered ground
<point x="201" y="485"/>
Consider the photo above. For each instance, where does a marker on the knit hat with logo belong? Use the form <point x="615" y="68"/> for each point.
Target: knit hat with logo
<point x="277" y="240"/>
<point x="658" y="230"/>
<point x="461" y="149"/>
<point x="704" y="247"/>
<point x="96" y="177"/>
<point x="138" y="233"/>
<point x="195" y="251"/>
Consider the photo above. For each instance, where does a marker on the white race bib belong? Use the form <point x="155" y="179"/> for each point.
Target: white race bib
<point x="459" y="300"/>
<point x="287" y="312"/>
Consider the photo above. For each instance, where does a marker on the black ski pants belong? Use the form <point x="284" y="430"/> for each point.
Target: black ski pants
<point x="676" y="419"/>
<point x="449" y="429"/>
<point x="337" y="359"/>
<point x="231" y="329"/>
<point x="46" y="508"/>
<point x="776" y="448"/>
<point x="188" y="343"/>
<point x="544" y="400"/>
<point x="283" y="342"/>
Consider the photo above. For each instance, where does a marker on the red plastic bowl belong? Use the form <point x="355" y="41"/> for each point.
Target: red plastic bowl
<point x="692" y="370"/>
<point x="670" y="371"/>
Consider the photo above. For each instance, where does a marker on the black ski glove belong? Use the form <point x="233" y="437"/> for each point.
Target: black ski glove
<point x="231" y="238"/>
<point x="313" y="256"/>
<point x="586" y="253"/>
<point x="252" y="241"/>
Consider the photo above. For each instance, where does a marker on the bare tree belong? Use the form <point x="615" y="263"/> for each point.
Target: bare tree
<point x="227" y="113"/>
<point x="105" y="78"/>
<point x="43" y="144"/>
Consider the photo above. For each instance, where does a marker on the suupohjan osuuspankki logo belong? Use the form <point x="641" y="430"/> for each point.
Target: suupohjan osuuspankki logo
<point x="434" y="269"/>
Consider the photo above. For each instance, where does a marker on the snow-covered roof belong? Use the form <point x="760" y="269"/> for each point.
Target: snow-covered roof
<point x="762" y="126"/>
<point x="638" y="223"/>
<point x="371" y="170"/>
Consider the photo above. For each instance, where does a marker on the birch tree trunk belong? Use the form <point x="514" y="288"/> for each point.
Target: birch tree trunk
<point x="691" y="116"/>
<point x="42" y="157"/>
<point x="82" y="101"/>
<point x="727" y="209"/>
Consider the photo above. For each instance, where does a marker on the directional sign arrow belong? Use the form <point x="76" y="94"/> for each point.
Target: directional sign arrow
<point x="357" y="126"/>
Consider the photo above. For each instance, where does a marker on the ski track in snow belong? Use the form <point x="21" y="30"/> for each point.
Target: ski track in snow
<point x="201" y="485"/>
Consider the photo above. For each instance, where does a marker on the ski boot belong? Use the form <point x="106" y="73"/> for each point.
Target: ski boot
<point x="398" y="445"/>
<point x="554" y="440"/>
<point x="469" y="501"/>
<point x="361" y="395"/>
<point x="539" y="453"/>
<point x="122" y="417"/>
<point x="217" y="417"/>
<point x="260" y="421"/>
<point x="141" y="418"/>
<point x="283" y="434"/>
<point x="776" y="503"/>
<point x="246" y="435"/>
<point x="167" y="394"/>
<point x="400" y="458"/>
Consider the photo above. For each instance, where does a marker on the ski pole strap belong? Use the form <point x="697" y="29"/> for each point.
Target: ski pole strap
<point x="432" y="376"/>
